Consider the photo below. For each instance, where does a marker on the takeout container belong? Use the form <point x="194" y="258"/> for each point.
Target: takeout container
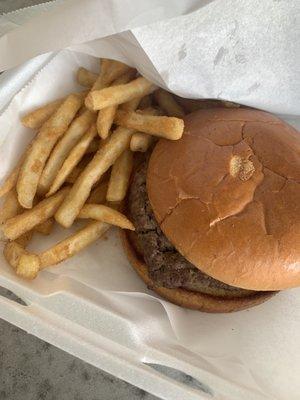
<point x="93" y="305"/>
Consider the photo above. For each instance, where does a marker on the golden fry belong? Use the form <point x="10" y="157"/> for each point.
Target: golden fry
<point x="73" y="244"/>
<point x="25" y="264"/>
<point x="35" y="119"/>
<point x="93" y="146"/>
<point x="119" y="94"/>
<point x="100" y="212"/>
<point x="145" y="102"/>
<point x="45" y="228"/>
<point x="98" y="194"/>
<point x="41" y="147"/>
<point x="63" y="147"/>
<point x="106" y="116"/>
<point x="166" y="127"/>
<point x="21" y="223"/>
<point x="85" y="77"/>
<point x="101" y="162"/>
<point x="141" y="142"/>
<point x="73" y="159"/>
<point x="119" y="178"/>
<point x="10" y="207"/>
<point x="24" y="239"/>
<point x="167" y="102"/>
<point x="11" y="180"/>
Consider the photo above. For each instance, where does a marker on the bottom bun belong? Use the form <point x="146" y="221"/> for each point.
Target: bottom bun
<point x="186" y="298"/>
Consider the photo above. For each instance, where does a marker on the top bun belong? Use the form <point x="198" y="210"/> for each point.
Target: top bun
<point x="227" y="195"/>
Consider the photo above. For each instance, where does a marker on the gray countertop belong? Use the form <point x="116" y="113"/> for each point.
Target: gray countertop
<point x="31" y="369"/>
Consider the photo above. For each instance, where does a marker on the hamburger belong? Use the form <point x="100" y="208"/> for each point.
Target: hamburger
<point x="217" y="213"/>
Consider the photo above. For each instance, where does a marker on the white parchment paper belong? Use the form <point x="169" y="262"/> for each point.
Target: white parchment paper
<point x="244" y="51"/>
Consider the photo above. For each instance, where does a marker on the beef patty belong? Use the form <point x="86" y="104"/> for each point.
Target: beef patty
<point x="166" y="266"/>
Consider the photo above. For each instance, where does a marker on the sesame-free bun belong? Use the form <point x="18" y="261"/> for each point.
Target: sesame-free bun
<point x="227" y="196"/>
<point x="186" y="298"/>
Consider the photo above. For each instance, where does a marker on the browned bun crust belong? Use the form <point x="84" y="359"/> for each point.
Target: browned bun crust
<point x="189" y="299"/>
<point x="227" y="196"/>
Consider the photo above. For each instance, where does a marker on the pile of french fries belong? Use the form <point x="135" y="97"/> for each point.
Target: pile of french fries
<point x="79" y="163"/>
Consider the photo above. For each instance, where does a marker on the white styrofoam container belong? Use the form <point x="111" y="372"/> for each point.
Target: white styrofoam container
<point x="76" y="318"/>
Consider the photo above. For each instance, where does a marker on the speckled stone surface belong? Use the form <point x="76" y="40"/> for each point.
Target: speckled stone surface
<point x="31" y="369"/>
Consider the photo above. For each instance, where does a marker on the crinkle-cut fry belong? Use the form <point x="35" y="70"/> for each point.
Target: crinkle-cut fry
<point x="10" y="207"/>
<point x="166" y="127"/>
<point x="41" y="147"/>
<point x="21" y="223"/>
<point x="114" y="95"/>
<point x="168" y="103"/>
<point x="141" y="142"/>
<point x="45" y="228"/>
<point x="100" y="212"/>
<point x="62" y="149"/>
<point x="36" y="118"/>
<point x="72" y="159"/>
<point x="98" y="194"/>
<point x="106" y="116"/>
<point x="120" y="176"/>
<point x="101" y="162"/>
<point x="85" y="77"/>
<point x="73" y="244"/>
<point x="25" y="264"/>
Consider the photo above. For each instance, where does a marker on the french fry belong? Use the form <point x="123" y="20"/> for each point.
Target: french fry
<point x="78" y="169"/>
<point x="167" y="127"/>
<point x="10" y="207"/>
<point x="167" y="102"/>
<point x="93" y="146"/>
<point x="131" y="105"/>
<point x="114" y="95"/>
<point x="24" y="239"/>
<point x="110" y="70"/>
<point x="85" y="77"/>
<point x="63" y="147"/>
<point x="145" y="102"/>
<point x="74" y="174"/>
<point x="101" y="162"/>
<point x="21" y="223"/>
<point x="45" y="227"/>
<point x="11" y="180"/>
<point x="119" y="178"/>
<point x="73" y="159"/>
<point x="100" y="82"/>
<point x="100" y="212"/>
<point x="15" y="255"/>
<point x="41" y="147"/>
<point x="73" y="244"/>
<point x="141" y="142"/>
<point x="39" y="116"/>
<point x="98" y="194"/>
<point x="106" y="116"/>
<point x="36" y="118"/>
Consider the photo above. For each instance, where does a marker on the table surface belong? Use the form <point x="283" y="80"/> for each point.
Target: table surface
<point x="31" y="369"/>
